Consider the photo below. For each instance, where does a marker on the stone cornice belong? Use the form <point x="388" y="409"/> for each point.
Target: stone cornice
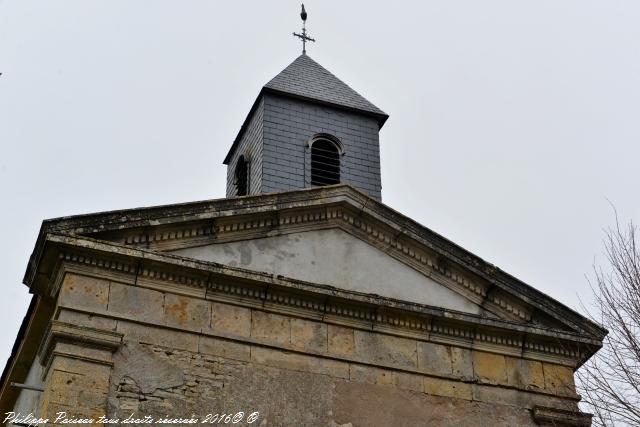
<point x="289" y="221"/>
<point x="171" y="226"/>
<point x="560" y="418"/>
<point x="61" y="332"/>
<point x="246" y="287"/>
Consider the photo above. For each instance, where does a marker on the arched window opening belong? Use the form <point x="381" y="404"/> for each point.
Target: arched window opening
<point x="325" y="163"/>
<point x="242" y="176"/>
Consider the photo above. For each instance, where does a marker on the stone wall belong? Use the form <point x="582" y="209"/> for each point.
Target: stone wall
<point x="120" y="345"/>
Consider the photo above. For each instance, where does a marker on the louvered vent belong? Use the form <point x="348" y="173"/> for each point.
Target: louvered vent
<point x="325" y="163"/>
<point x="242" y="176"/>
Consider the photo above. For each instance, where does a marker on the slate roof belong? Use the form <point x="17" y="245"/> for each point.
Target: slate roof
<point x="306" y="78"/>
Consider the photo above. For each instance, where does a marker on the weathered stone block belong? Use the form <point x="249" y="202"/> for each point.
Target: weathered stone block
<point x="462" y="363"/>
<point x="442" y="387"/>
<point x="299" y="362"/>
<point x="270" y="327"/>
<point x="93" y="400"/>
<point x="559" y="379"/>
<point x="89" y="320"/>
<point x="340" y="340"/>
<point x="489" y="367"/>
<point x="159" y="336"/>
<point x="225" y="348"/>
<point x="308" y="335"/>
<point x="408" y="381"/>
<point x="137" y="303"/>
<point x="499" y="395"/>
<point x="82" y="385"/>
<point x="525" y="373"/>
<point x="231" y="319"/>
<point x="191" y="313"/>
<point x="434" y="358"/>
<point x="370" y="374"/>
<point x="92" y="374"/>
<point x="363" y="404"/>
<point x="144" y="369"/>
<point x="50" y="409"/>
<point x="72" y="350"/>
<point x="84" y="292"/>
<point x="60" y="387"/>
<point x="385" y="349"/>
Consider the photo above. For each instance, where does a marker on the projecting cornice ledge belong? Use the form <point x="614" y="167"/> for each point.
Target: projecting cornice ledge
<point x="204" y="222"/>
<point x="548" y="417"/>
<point x="80" y="341"/>
<point x="304" y="299"/>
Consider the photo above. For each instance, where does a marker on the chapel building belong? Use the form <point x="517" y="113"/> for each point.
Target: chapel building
<point x="299" y="296"/>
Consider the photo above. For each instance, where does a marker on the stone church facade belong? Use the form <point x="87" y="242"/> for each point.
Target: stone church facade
<point x="299" y="298"/>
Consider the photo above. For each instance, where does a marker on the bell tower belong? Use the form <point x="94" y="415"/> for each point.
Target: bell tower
<point x="306" y="128"/>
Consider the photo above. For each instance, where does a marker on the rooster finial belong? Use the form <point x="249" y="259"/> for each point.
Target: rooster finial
<point x="304" y="37"/>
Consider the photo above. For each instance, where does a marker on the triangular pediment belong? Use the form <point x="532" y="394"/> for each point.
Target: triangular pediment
<point x="337" y="258"/>
<point x="334" y="236"/>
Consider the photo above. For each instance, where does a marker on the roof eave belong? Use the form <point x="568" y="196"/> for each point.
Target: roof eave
<point x="243" y="128"/>
<point x="381" y="117"/>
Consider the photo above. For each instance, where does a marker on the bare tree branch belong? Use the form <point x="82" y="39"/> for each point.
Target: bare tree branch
<point x="610" y="381"/>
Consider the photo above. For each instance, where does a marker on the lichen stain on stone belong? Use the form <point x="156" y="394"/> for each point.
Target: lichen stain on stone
<point x="70" y="281"/>
<point x="179" y="310"/>
<point x="102" y="297"/>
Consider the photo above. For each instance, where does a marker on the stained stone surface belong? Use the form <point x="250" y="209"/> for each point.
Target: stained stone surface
<point x="326" y="256"/>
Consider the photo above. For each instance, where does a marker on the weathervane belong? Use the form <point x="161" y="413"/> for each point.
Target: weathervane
<point x="304" y="37"/>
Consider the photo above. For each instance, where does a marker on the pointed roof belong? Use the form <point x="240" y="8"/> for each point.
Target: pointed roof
<point x="305" y="78"/>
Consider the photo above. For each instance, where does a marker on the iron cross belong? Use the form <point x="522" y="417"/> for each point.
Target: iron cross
<point x="304" y="37"/>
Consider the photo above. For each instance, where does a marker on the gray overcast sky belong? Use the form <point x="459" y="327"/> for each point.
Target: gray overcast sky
<point x="511" y="121"/>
